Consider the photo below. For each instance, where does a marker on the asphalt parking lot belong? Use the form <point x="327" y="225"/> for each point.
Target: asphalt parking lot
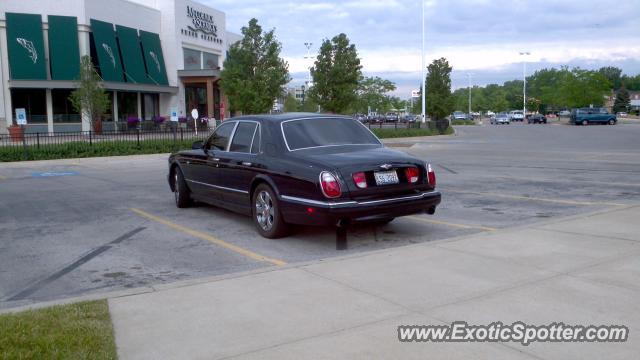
<point x="72" y="227"/>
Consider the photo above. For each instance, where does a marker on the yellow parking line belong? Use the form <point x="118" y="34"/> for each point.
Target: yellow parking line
<point x="531" y="198"/>
<point x="461" y="226"/>
<point x="209" y="238"/>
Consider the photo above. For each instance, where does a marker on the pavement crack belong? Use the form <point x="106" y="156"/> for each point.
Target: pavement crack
<point x="35" y="286"/>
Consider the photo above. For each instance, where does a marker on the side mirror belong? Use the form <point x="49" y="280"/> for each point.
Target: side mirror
<point x="197" y="145"/>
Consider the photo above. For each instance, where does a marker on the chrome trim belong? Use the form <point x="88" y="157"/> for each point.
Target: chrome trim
<point x="330" y="204"/>
<point x="284" y="137"/>
<point x="233" y="133"/>
<point x="218" y="187"/>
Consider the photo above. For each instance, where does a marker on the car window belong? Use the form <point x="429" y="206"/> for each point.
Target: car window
<point x="242" y="138"/>
<point x="308" y="133"/>
<point x="255" y="147"/>
<point x="220" y="138"/>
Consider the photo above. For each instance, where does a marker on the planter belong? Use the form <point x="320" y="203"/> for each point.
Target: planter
<point x="97" y="126"/>
<point x="16" y="133"/>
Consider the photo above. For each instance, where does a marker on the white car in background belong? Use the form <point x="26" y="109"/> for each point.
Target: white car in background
<point x="516" y="115"/>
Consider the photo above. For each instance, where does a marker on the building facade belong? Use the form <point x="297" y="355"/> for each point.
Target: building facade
<point x="155" y="57"/>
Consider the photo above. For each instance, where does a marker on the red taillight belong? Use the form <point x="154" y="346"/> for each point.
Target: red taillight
<point x="329" y="184"/>
<point x="412" y="174"/>
<point x="431" y="176"/>
<point x="360" y="179"/>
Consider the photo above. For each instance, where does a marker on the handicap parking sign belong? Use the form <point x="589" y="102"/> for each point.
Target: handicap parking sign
<point x="21" y="116"/>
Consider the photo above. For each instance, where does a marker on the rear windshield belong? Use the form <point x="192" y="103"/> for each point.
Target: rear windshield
<point x="309" y="133"/>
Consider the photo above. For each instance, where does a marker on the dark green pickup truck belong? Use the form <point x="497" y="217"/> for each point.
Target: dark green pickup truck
<point x="586" y="116"/>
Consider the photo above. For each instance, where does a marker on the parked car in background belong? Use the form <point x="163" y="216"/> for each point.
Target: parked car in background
<point x="305" y="169"/>
<point x="360" y="117"/>
<point x="621" y="114"/>
<point x="490" y="113"/>
<point x="536" y="119"/>
<point x="564" y="113"/>
<point x="586" y="116"/>
<point x="500" y="119"/>
<point x="516" y="115"/>
<point x="459" y="115"/>
<point x="409" y="118"/>
<point x="391" y="117"/>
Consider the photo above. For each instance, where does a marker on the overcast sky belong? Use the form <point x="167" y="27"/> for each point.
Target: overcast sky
<point x="481" y="37"/>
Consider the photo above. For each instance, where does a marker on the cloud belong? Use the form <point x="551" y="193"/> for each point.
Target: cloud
<point x="479" y="36"/>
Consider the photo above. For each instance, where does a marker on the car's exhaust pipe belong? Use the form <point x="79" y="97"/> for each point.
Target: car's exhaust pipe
<point x="431" y="210"/>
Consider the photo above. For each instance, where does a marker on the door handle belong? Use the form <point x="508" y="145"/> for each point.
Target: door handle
<point x="246" y="163"/>
<point x="215" y="159"/>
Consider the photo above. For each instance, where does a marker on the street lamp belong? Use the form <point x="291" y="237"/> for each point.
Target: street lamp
<point x="308" y="45"/>
<point x="524" y="84"/>
<point x="469" y="80"/>
<point x="424" y="80"/>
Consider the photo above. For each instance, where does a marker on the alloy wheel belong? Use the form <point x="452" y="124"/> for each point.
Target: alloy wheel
<point x="265" y="211"/>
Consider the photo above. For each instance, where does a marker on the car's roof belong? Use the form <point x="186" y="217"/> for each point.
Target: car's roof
<point x="276" y="118"/>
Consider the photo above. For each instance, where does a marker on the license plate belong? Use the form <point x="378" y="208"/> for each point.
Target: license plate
<point x="386" y="177"/>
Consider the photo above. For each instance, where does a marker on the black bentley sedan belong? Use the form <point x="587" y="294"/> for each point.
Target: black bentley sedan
<point x="308" y="169"/>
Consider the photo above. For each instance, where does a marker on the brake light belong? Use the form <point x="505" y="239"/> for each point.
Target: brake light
<point x="412" y="174"/>
<point x="431" y="176"/>
<point x="329" y="185"/>
<point x="360" y="179"/>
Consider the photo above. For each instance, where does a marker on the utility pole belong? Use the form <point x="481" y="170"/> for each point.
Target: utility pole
<point x="424" y="80"/>
<point x="524" y="84"/>
<point x="308" y="57"/>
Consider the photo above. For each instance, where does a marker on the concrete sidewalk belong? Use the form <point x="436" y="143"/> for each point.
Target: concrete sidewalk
<point x="582" y="270"/>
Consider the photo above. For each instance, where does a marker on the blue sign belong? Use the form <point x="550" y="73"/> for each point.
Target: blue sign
<point x="53" y="174"/>
<point x="21" y="116"/>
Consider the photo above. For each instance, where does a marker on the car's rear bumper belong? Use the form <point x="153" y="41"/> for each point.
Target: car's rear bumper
<point x="327" y="213"/>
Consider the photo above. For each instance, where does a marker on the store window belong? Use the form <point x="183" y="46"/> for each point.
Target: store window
<point x="127" y="105"/>
<point x="34" y="101"/>
<point x="150" y="106"/>
<point x="210" y="61"/>
<point x="191" y="59"/>
<point x="63" y="111"/>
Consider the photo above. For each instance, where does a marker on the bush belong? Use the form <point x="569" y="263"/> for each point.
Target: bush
<point x="463" y="122"/>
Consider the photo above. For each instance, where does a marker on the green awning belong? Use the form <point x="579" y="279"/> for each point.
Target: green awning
<point x="134" y="71"/>
<point x="64" y="51"/>
<point x="153" y="57"/>
<point x="106" y="48"/>
<point x="26" y="47"/>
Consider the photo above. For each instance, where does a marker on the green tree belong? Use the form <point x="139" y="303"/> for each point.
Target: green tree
<point x="372" y="92"/>
<point x="440" y="101"/>
<point x="309" y="105"/>
<point x="89" y="98"/>
<point x="622" y="101"/>
<point x="631" y="82"/>
<point x="254" y="74"/>
<point x="290" y="103"/>
<point x="336" y="73"/>
<point x="613" y="74"/>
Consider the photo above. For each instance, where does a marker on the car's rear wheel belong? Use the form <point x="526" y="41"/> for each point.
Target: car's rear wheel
<point x="612" y="122"/>
<point x="585" y="122"/>
<point x="266" y="213"/>
<point x="181" y="192"/>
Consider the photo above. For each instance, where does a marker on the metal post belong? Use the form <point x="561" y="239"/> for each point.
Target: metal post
<point x="524" y="83"/>
<point x="469" y="79"/>
<point x="24" y="144"/>
<point x="424" y="85"/>
<point x="341" y="237"/>
<point x="90" y="140"/>
<point x="138" y="136"/>
<point x="38" y="139"/>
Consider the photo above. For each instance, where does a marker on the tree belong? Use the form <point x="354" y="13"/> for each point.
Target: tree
<point x="372" y="93"/>
<point x="254" y="74"/>
<point x="89" y="98"/>
<point x="336" y="73"/>
<point x="440" y="102"/>
<point x="613" y="74"/>
<point x="622" y="101"/>
<point x="290" y="103"/>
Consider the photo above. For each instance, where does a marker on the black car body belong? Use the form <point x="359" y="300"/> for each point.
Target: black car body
<point x="311" y="169"/>
<point x="536" y="119"/>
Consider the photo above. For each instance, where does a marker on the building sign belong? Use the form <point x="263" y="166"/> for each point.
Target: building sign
<point x="202" y="26"/>
<point x="415" y="93"/>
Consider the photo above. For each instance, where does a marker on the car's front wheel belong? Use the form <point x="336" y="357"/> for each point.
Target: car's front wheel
<point x="585" y="122"/>
<point x="181" y="192"/>
<point x="266" y="213"/>
<point x="612" y="122"/>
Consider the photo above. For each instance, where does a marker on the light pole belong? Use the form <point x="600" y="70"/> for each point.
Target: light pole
<point x="469" y="80"/>
<point x="308" y="57"/>
<point x="424" y="80"/>
<point x="524" y="83"/>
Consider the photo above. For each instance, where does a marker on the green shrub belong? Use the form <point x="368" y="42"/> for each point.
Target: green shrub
<point x="463" y="122"/>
